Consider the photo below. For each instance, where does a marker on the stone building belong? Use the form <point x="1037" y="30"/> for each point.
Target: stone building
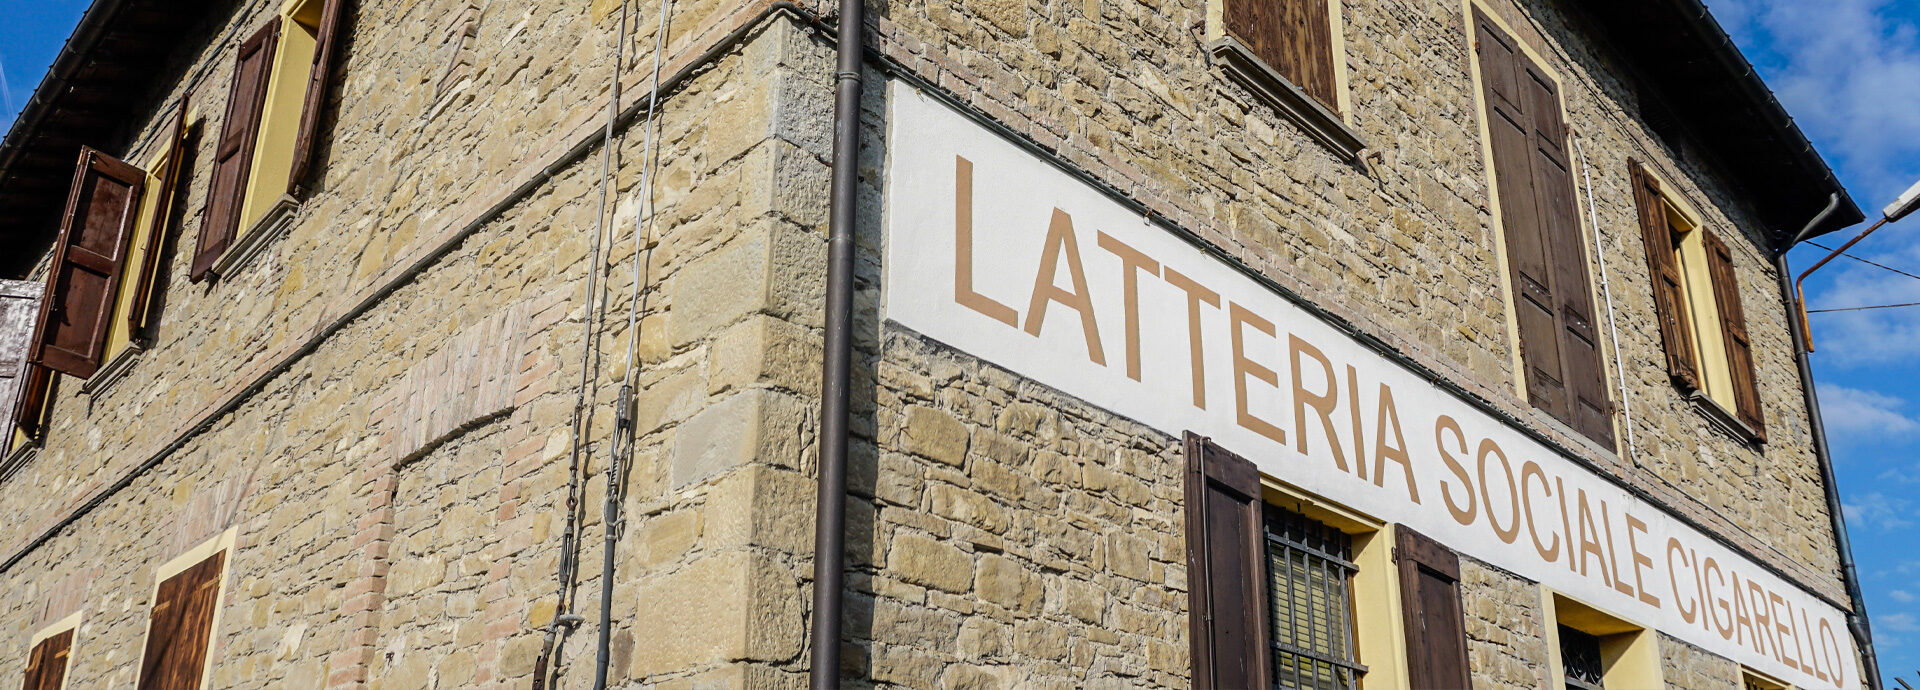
<point x="1218" y="343"/>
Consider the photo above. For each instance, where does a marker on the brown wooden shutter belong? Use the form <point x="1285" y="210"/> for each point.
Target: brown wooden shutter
<point x="1733" y="328"/>
<point x="1430" y="603"/>
<point x="1669" y="302"/>
<point x="140" y="312"/>
<point x="1546" y="255"/>
<point x="19" y="306"/>
<point x="30" y="409"/>
<point x="47" y="663"/>
<point x="77" y="311"/>
<point x="180" y="627"/>
<point x="233" y="157"/>
<point x="1294" y="37"/>
<point x="1225" y="568"/>
<point x="334" y="24"/>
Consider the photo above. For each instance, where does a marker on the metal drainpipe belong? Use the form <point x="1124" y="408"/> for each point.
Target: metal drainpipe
<point x="1857" y="618"/>
<point x="836" y="381"/>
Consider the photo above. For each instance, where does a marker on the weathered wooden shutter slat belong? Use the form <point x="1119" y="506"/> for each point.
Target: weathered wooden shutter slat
<point x="181" y="627"/>
<point x="1591" y="408"/>
<point x="77" y="309"/>
<point x="163" y="626"/>
<point x="1294" y="37"/>
<point x="334" y="24"/>
<point x="1733" y="329"/>
<point x="1529" y="256"/>
<point x="1545" y="249"/>
<point x="1669" y="302"/>
<point x="47" y="664"/>
<point x="19" y="306"/>
<point x="233" y="156"/>
<point x="1430" y="605"/>
<point x="29" y="408"/>
<point x="140" y="311"/>
<point x="1225" y="568"/>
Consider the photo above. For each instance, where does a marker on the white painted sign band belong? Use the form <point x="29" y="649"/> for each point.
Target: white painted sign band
<point x="994" y="251"/>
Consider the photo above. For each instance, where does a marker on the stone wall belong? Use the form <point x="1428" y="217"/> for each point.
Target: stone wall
<point x="392" y="529"/>
<point x="1506" y="628"/>
<point x="1011" y="535"/>
<point x="1004" y="534"/>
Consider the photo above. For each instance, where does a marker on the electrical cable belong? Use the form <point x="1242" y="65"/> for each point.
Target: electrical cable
<point x="1864" y="261"/>
<point x="621" y="461"/>
<point x="582" y="414"/>
<point x="1877" y="306"/>
<point x="1606" y="289"/>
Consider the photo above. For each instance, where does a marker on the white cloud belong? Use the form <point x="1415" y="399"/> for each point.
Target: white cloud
<point x="1880" y="511"/>
<point x="1850" y="411"/>
<point x="1901" y="595"/>
<point x="1899" y="622"/>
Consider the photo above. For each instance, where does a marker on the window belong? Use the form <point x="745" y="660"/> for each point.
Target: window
<point x="1595" y="650"/>
<point x="180" y="624"/>
<point x="265" y="152"/>
<point x="1286" y="588"/>
<point x="47" y="662"/>
<point x="1580" y="660"/>
<point x="98" y="301"/>
<point x="1755" y="680"/>
<point x="1697" y="301"/>
<point x="1551" y="293"/>
<point x="1309" y="569"/>
<point x="1289" y="53"/>
<point x="129" y="324"/>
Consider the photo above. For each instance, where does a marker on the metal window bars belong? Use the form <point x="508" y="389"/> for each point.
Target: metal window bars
<point x="1580" y="660"/>
<point x="1309" y="570"/>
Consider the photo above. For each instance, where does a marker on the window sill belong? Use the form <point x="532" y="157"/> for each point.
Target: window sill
<point x="1722" y="418"/>
<point x="261" y="235"/>
<point x="1315" y="119"/>
<point x="116" y="369"/>
<point x="19" y="458"/>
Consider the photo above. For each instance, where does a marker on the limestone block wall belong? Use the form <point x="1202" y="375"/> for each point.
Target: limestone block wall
<point x="1506" y="628"/>
<point x="1007" y="535"/>
<point x="393" y="532"/>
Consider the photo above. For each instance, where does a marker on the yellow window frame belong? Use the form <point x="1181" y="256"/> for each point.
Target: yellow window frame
<point x="272" y="169"/>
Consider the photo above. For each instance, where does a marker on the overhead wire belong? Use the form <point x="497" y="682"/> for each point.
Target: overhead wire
<point x="621" y="461"/>
<point x="1869" y="263"/>
<point x="1864" y="261"/>
<point x="590" y="319"/>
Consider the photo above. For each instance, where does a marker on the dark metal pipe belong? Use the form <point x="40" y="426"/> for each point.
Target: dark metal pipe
<point x="1857" y="618"/>
<point x="836" y="380"/>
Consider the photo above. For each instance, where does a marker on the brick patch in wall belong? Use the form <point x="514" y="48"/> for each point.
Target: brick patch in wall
<point x="63" y="598"/>
<point x="472" y="378"/>
<point x="207" y="514"/>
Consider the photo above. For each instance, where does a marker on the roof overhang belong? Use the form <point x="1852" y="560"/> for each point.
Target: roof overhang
<point x="106" y="69"/>
<point x="1681" y="56"/>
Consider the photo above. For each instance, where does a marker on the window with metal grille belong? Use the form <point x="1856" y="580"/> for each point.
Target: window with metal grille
<point x="1580" y="659"/>
<point x="1309" y="575"/>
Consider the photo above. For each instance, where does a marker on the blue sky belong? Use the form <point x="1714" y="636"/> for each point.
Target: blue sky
<point x="1849" y="71"/>
<point x="31" y="33"/>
